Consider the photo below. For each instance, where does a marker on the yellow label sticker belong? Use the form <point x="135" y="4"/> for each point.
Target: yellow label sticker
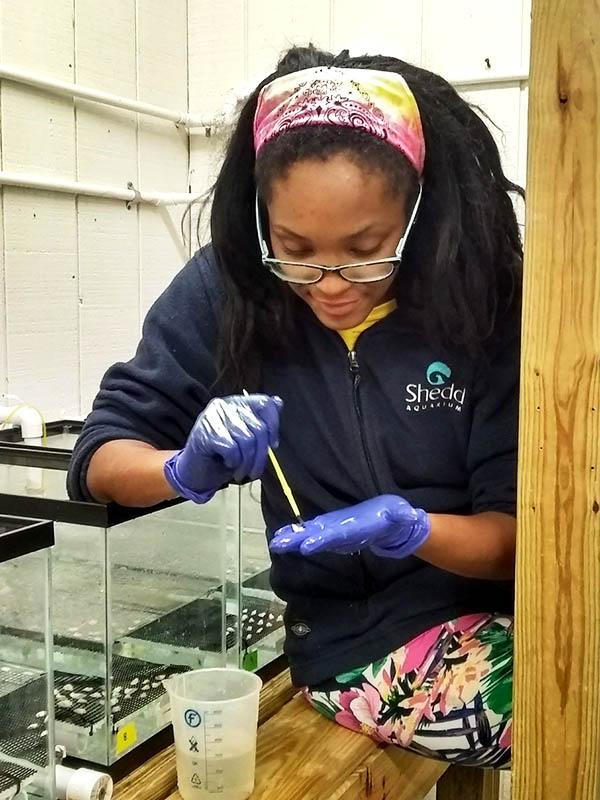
<point x="126" y="737"/>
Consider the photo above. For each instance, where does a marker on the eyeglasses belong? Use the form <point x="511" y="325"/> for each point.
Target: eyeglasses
<point x="361" y="272"/>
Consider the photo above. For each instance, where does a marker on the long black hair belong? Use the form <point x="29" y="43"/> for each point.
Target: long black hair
<point x="463" y="259"/>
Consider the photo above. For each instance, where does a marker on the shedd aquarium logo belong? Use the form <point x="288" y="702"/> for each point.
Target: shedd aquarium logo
<point x="438" y="392"/>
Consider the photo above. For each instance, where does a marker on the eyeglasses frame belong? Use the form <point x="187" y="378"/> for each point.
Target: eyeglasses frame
<point x="270" y="262"/>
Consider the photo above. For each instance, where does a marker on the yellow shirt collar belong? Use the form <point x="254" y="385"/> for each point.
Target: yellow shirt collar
<point x="350" y="335"/>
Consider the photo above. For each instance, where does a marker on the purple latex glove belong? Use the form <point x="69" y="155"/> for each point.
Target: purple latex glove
<point x="229" y="441"/>
<point x="388" y="525"/>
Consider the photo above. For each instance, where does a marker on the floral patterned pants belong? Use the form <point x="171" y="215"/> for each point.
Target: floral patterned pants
<point x="447" y="694"/>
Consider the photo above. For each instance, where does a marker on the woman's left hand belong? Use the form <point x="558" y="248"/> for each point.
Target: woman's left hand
<point x="388" y="525"/>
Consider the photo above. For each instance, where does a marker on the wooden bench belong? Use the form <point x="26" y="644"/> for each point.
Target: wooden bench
<point x="303" y="756"/>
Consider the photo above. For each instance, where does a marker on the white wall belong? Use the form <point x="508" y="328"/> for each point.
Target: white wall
<point x="235" y="44"/>
<point x="77" y="275"/>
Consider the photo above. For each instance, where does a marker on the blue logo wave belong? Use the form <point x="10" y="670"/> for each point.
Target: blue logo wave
<point x="438" y="373"/>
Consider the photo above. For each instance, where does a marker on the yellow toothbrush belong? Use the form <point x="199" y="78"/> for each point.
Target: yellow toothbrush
<point x="284" y="484"/>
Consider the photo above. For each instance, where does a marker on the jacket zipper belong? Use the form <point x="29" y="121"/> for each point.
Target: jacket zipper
<point x="356" y="378"/>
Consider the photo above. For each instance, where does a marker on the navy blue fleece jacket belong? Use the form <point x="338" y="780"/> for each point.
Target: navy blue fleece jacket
<point x="439" y="430"/>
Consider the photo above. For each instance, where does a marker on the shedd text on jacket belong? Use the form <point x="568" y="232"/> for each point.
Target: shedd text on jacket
<point x="420" y="397"/>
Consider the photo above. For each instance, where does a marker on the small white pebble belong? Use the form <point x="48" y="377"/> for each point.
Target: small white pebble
<point x="160" y="677"/>
<point x="156" y="685"/>
<point x="142" y="694"/>
<point x="248" y="637"/>
<point x="5" y="669"/>
<point x="269" y="624"/>
<point x="280" y="618"/>
<point x="65" y="704"/>
<point x="117" y="708"/>
<point x="135" y="681"/>
<point x="114" y="701"/>
<point x="271" y="616"/>
<point x="262" y="614"/>
<point x="96" y="695"/>
<point x="33" y="726"/>
<point x="68" y="687"/>
<point x="79" y="710"/>
<point x="44" y="733"/>
<point x="40" y="714"/>
<point x="77" y="695"/>
<point x="253" y="612"/>
<point x="88" y="688"/>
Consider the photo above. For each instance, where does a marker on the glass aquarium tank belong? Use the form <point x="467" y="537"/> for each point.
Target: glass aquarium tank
<point x="141" y="594"/>
<point x="26" y="696"/>
<point x="60" y="435"/>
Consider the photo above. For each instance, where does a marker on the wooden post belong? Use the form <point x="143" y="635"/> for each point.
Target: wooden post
<point x="557" y="671"/>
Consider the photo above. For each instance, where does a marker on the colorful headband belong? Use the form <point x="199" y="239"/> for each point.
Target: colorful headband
<point x="372" y="100"/>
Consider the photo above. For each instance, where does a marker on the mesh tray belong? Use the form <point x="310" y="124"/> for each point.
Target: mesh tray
<point x="80" y="699"/>
<point x="260" y="617"/>
<point x="197" y="625"/>
<point x="23" y="719"/>
<point x="11" y="776"/>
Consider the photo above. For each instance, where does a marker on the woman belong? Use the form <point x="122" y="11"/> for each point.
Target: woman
<point x="363" y="285"/>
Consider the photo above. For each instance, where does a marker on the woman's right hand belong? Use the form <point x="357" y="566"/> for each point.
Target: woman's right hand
<point x="229" y="441"/>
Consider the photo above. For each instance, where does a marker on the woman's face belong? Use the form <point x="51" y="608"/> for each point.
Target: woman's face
<point x="334" y="212"/>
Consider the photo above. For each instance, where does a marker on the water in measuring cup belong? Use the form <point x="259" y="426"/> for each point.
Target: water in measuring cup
<point x="226" y="778"/>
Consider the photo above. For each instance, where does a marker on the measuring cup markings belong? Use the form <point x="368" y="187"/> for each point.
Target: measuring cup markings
<point x="213" y="751"/>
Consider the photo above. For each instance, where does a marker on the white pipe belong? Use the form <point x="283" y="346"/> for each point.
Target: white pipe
<point x="185" y="118"/>
<point x="95" y="189"/>
<point x="482" y="80"/>
<point x="75" y="90"/>
<point x="26" y="417"/>
<point x="82" y="784"/>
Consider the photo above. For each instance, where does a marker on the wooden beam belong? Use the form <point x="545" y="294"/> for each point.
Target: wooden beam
<point x="153" y="780"/>
<point x="469" y="783"/>
<point x="301" y="755"/>
<point x="393" y="773"/>
<point x="557" y="664"/>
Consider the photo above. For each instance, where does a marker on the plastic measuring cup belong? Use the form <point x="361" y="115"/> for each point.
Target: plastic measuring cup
<point x="215" y="716"/>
